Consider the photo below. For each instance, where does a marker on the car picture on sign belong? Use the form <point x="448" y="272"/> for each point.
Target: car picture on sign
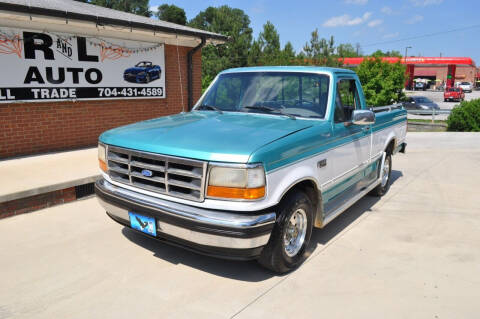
<point x="142" y="72"/>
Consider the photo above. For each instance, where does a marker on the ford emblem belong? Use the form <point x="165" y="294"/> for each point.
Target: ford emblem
<point x="147" y="173"/>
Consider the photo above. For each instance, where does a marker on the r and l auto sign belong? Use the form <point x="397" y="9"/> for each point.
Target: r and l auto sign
<point x="38" y="66"/>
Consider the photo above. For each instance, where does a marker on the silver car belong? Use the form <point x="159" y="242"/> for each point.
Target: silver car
<point x="420" y="103"/>
<point x="465" y="86"/>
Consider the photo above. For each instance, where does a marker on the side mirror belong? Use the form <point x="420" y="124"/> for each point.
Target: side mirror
<point x="363" y="117"/>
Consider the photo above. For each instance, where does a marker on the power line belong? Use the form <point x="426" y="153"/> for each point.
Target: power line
<point x="422" y="36"/>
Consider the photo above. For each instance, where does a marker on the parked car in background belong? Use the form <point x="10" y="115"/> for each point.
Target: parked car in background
<point x="420" y="103"/>
<point x="420" y="86"/>
<point x="142" y="72"/>
<point x="465" y="86"/>
<point x="453" y="94"/>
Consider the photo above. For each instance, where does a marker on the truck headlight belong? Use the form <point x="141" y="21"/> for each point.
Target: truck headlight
<point x="236" y="182"/>
<point x="102" y="157"/>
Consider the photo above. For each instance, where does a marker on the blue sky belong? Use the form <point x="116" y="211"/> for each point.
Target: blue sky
<point x="366" y="22"/>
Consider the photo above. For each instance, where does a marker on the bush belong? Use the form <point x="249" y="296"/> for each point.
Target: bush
<point x="465" y="118"/>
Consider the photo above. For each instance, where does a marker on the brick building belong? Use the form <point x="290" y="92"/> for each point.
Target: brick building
<point x="41" y="112"/>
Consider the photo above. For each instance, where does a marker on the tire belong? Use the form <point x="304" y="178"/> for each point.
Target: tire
<point x="147" y="78"/>
<point x="384" y="185"/>
<point x="282" y="258"/>
<point x="444" y="100"/>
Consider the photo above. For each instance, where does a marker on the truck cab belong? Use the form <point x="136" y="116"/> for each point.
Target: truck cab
<point x="266" y="155"/>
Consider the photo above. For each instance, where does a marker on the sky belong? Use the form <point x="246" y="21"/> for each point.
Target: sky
<point x="441" y="27"/>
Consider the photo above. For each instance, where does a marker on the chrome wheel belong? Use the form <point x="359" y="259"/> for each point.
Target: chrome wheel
<point x="386" y="171"/>
<point x="295" y="232"/>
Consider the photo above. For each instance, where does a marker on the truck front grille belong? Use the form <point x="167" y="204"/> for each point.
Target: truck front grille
<point x="174" y="176"/>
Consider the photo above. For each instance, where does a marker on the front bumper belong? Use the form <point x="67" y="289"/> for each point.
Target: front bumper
<point x="223" y="234"/>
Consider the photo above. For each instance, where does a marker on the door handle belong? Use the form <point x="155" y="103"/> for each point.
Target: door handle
<point x="366" y="128"/>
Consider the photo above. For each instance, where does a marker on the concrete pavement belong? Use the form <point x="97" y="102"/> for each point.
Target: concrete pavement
<point x="410" y="254"/>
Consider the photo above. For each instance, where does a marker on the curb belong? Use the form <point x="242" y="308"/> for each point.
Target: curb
<point x="46" y="196"/>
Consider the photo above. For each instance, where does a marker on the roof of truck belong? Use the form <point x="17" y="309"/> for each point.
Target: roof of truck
<point x="288" y="69"/>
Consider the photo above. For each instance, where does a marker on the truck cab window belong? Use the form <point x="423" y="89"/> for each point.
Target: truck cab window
<point x="346" y="101"/>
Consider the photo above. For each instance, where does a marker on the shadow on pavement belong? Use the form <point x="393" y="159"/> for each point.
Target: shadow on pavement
<point x="325" y="235"/>
<point x="249" y="270"/>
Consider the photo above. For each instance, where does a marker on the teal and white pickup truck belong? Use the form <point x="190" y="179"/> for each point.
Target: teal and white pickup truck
<point x="266" y="154"/>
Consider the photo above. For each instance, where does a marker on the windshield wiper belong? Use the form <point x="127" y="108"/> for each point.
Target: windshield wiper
<point x="210" y="107"/>
<point x="269" y="109"/>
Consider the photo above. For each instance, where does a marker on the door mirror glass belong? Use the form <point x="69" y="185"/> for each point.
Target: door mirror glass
<point x="363" y="117"/>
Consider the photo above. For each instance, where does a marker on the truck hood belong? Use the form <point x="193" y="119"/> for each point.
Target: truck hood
<point x="205" y="135"/>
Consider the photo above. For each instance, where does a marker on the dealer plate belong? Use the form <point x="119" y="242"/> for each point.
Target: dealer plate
<point x="143" y="223"/>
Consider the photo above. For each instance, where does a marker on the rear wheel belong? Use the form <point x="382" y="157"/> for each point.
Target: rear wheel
<point x="384" y="185"/>
<point x="290" y="237"/>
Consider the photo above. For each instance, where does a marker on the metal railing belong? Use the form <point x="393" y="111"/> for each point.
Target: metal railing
<point x="431" y="113"/>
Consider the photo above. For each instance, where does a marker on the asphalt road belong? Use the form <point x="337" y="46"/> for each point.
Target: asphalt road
<point x="437" y="97"/>
<point x="411" y="254"/>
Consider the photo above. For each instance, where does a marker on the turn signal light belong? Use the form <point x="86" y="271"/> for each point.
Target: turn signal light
<point x="236" y="193"/>
<point x="103" y="165"/>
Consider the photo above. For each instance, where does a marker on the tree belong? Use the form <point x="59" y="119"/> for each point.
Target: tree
<point x="393" y="53"/>
<point x="171" y="13"/>
<point x="266" y="49"/>
<point x="320" y="51"/>
<point x="230" y="22"/>
<point x="140" y="7"/>
<point x="382" y="82"/>
<point x="346" y="50"/>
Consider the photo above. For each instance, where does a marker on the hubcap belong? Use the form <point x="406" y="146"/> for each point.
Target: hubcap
<point x="295" y="232"/>
<point x="386" y="170"/>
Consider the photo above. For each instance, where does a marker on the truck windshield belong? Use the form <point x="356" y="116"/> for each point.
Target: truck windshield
<point x="278" y="93"/>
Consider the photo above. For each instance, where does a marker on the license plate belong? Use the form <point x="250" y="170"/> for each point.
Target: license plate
<point x="143" y="223"/>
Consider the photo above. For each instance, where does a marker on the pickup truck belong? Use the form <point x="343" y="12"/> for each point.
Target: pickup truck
<point x="266" y="155"/>
<point x="453" y="94"/>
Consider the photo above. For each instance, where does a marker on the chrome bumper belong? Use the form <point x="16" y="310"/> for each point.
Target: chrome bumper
<point x="196" y="228"/>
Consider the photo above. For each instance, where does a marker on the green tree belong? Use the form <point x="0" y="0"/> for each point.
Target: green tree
<point x="171" y="13"/>
<point x="287" y="56"/>
<point x="346" y="50"/>
<point x="382" y="82"/>
<point x="140" y="7"/>
<point x="266" y="49"/>
<point x="230" y="22"/>
<point x="320" y="51"/>
<point x="380" y="53"/>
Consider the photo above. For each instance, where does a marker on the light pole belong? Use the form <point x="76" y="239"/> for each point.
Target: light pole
<point x="405" y="61"/>
<point x="406" y="50"/>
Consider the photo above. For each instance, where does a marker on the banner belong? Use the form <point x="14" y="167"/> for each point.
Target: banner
<point x="44" y="66"/>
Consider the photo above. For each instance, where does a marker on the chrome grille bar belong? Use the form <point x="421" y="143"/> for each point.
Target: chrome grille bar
<point x="174" y="176"/>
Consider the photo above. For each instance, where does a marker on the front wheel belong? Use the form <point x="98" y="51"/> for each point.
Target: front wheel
<point x="290" y="237"/>
<point x="384" y="185"/>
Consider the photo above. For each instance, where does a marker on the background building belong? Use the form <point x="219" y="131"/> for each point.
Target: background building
<point x="71" y="70"/>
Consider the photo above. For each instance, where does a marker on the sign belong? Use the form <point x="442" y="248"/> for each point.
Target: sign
<point x="44" y="66"/>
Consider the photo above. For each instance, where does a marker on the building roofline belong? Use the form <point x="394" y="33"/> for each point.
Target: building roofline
<point x="104" y="20"/>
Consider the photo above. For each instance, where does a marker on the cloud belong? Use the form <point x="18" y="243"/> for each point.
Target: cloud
<point x="424" y="3"/>
<point x="415" y="19"/>
<point x="375" y="22"/>
<point x="153" y="8"/>
<point x="360" y="2"/>
<point x="346" y="20"/>
<point x="387" y="10"/>
<point x="390" y="35"/>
